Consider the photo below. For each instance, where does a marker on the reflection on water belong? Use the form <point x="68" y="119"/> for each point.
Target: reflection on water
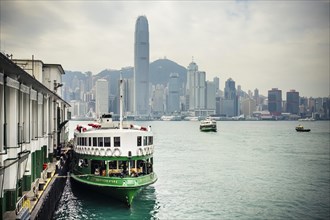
<point x="81" y="204"/>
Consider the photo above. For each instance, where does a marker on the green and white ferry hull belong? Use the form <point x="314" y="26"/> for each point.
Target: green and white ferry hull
<point x="122" y="189"/>
<point x="112" y="160"/>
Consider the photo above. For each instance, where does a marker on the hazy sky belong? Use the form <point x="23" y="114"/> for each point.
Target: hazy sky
<point x="259" y="44"/>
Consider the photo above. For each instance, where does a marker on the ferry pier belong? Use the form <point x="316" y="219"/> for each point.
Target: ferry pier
<point x="33" y="133"/>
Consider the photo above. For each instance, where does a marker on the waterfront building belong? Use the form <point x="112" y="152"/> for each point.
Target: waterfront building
<point x="248" y="106"/>
<point x="216" y="81"/>
<point x="196" y="90"/>
<point x="141" y="66"/>
<point x="32" y="124"/>
<point x="158" y="100"/>
<point x="173" y="100"/>
<point x="292" y="102"/>
<point x="275" y="101"/>
<point x="101" y="97"/>
<point x="229" y="105"/>
<point x="256" y="97"/>
<point x="78" y="108"/>
<point x="210" y="95"/>
<point x="128" y="107"/>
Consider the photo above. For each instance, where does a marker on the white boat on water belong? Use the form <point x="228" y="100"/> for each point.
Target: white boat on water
<point x="191" y="118"/>
<point x="208" y="125"/>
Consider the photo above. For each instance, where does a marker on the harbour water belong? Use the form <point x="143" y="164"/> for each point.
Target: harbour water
<point x="246" y="170"/>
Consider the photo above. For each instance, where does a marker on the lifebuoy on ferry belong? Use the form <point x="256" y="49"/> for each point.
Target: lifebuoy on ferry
<point x="146" y="150"/>
<point x="108" y="152"/>
<point x="102" y="152"/>
<point x="140" y="152"/>
<point x="97" y="151"/>
<point x="116" y="152"/>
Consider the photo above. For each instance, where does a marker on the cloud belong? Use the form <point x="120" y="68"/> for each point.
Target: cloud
<point x="260" y="44"/>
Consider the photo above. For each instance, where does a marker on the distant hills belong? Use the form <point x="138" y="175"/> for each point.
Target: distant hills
<point x="159" y="73"/>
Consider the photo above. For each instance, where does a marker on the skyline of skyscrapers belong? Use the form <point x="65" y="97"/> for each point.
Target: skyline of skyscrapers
<point x="195" y="96"/>
<point x="141" y="67"/>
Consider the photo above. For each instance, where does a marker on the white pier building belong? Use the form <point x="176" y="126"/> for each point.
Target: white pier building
<point x="32" y="124"/>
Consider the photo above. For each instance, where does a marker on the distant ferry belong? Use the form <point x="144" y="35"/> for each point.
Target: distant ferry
<point x="112" y="158"/>
<point x="208" y="125"/>
<point x="301" y="128"/>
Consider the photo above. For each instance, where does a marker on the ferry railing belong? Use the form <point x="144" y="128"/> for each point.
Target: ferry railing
<point x="23" y="202"/>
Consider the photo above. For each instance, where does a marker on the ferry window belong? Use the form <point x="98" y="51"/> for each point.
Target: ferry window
<point x="112" y="165"/>
<point x="139" y="140"/>
<point x="100" y="141"/>
<point x="84" y="141"/>
<point x="90" y="141"/>
<point x="150" y="140"/>
<point x="132" y="163"/>
<point x="145" y="141"/>
<point x="107" y="142"/>
<point x="94" y="141"/>
<point x="116" y="141"/>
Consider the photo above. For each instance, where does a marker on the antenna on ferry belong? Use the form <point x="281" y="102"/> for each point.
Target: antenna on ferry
<point x="121" y="102"/>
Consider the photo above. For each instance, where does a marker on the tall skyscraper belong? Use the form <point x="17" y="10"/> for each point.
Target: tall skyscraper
<point x="196" y="87"/>
<point x="141" y="67"/>
<point x="173" y="103"/>
<point x="210" y="94"/>
<point x="275" y="101"/>
<point x="292" y="102"/>
<point x="102" y="97"/>
<point x="230" y="101"/>
<point x="190" y="91"/>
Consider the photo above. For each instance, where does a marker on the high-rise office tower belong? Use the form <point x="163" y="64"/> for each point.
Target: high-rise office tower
<point x="196" y="87"/>
<point x="275" y="101"/>
<point x="210" y="94"/>
<point x="102" y="97"/>
<point x="292" y="102"/>
<point x="230" y="90"/>
<point x="216" y="81"/>
<point x="190" y="91"/>
<point x="230" y="101"/>
<point x="173" y="103"/>
<point x="141" y="66"/>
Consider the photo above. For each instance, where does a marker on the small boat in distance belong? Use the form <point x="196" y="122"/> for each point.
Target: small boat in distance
<point x="301" y="128"/>
<point x="208" y="125"/>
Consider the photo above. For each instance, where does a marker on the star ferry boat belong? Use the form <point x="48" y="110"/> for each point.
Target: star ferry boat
<point x="113" y="158"/>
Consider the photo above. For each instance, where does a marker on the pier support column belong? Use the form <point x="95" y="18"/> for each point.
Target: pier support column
<point x="33" y="167"/>
<point x="38" y="163"/>
<point x="26" y="182"/>
<point x="10" y="197"/>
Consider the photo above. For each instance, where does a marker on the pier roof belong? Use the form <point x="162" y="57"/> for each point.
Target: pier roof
<point x="9" y="68"/>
